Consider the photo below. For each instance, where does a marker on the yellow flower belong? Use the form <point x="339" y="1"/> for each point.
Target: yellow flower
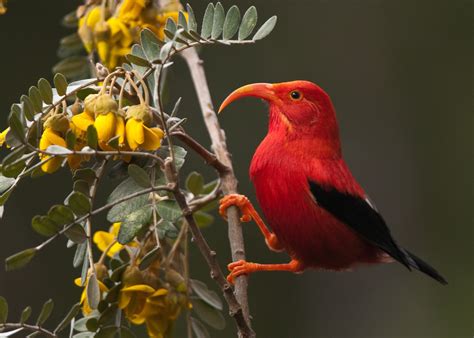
<point x="86" y="309"/>
<point x="138" y="134"/>
<point x="132" y="301"/>
<point x="3" y="8"/>
<point x="3" y="136"/>
<point x="80" y="123"/>
<point x="130" y="10"/>
<point x="48" y="138"/>
<point x="87" y="25"/>
<point x="104" y="240"/>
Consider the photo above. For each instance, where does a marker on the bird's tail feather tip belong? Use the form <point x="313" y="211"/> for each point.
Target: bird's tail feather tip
<point x="424" y="267"/>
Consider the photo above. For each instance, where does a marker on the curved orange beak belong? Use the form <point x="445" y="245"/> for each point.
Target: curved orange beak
<point x="261" y="90"/>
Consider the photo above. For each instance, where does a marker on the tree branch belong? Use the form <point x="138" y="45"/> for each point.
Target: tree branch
<point x="229" y="181"/>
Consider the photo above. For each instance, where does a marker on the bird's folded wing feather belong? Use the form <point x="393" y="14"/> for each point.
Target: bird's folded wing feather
<point x="359" y="215"/>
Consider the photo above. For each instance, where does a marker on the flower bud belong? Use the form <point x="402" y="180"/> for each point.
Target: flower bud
<point x="89" y="102"/>
<point x="132" y="276"/>
<point x="76" y="108"/>
<point x="101" y="271"/>
<point x="140" y="112"/>
<point x="105" y="104"/>
<point x="58" y="123"/>
<point x="102" y="31"/>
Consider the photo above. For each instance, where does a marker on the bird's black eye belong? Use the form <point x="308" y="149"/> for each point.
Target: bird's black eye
<point x="296" y="95"/>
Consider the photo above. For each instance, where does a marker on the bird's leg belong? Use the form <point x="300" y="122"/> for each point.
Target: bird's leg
<point x="248" y="213"/>
<point x="244" y="268"/>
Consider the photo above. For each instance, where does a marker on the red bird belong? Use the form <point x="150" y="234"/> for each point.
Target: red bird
<point x="319" y="214"/>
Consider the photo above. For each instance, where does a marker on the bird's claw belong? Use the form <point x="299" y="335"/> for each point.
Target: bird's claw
<point x="239" y="268"/>
<point x="239" y="201"/>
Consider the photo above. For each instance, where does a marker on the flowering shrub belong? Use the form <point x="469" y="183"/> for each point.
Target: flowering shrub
<point x="115" y="123"/>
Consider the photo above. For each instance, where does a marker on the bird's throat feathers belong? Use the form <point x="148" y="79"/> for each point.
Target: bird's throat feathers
<point x="317" y="140"/>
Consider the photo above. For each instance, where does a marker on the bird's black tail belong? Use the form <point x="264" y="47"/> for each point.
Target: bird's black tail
<point x="419" y="264"/>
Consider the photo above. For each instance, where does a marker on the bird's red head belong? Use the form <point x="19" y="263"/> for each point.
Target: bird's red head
<point x="297" y="108"/>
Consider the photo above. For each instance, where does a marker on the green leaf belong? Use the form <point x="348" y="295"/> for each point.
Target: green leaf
<point x="70" y="139"/>
<point x="266" y="28"/>
<point x="167" y="229"/>
<point x="45" y="312"/>
<point x="67" y="320"/>
<point x="15" y="121"/>
<point x="133" y="223"/>
<point x="195" y="183"/>
<point x="150" y="44"/>
<point x="114" y="142"/>
<point x="81" y="186"/>
<point x="83" y="93"/>
<point x="199" y="329"/>
<point x="207" y="21"/>
<point x="210" y="315"/>
<point x="249" y="21"/>
<point x="3" y="310"/>
<point x="44" y="226"/>
<point x="192" y="23"/>
<point x="171" y="27"/>
<point x="76" y="233"/>
<point x="92" y="325"/>
<point x="149" y="258"/>
<point x="70" y="20"/>
<point x="5" y="183"/>
<point x="169" y="210"/>
<point x="73" y="67"/>
<point x="61" y="214"/>
<point x="20" y="259"/>
<point x="203" y="292"/>
<point x="14" y="162"/>
<point x="182" y="21"/>
<point x="79" y="203"/>
<point x="139" y="175"/>
<point x="79" y="255"/>
<point x="231" y="23"/>
<point x="28" y="108"/>
<point x="86" y="174"/>
<point x="45" y="90"/>
<point x="203" y="219"/>
<point x="25" y="315"/>
<point x="58" y="150"/>
<point x="218" y="24"/>
<point x="118" y="212"/>
<point x="60" y="83"/>
<point x="35" y="98"/>
<point x="138" y="60"/>
<point x="92" y="138"/>
<point x="93" y="291"/>
<point x="80" y="324"/>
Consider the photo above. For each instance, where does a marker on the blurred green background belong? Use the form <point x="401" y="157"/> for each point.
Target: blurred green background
<point x="400" y="74"/>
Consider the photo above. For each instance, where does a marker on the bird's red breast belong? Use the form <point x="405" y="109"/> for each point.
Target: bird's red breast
<point x="280" y="170"/>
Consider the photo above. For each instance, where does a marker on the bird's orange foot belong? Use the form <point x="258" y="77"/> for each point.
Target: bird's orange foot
<point x="240" y="268"/>
<point x="240" y="201"/>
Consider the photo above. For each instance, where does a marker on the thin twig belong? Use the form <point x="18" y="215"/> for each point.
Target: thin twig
<point x="229" y="181"/>
<point x="33" y="328"/>
<point x="92" y="193"/>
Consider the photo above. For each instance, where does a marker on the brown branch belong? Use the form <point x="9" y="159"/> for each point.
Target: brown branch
<point x="235" y="309"/>
<point x="208" y="157"/>
<point x="228" y="179"/>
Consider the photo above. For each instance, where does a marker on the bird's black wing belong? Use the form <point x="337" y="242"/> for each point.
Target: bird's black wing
<point x="361" y="217"/>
